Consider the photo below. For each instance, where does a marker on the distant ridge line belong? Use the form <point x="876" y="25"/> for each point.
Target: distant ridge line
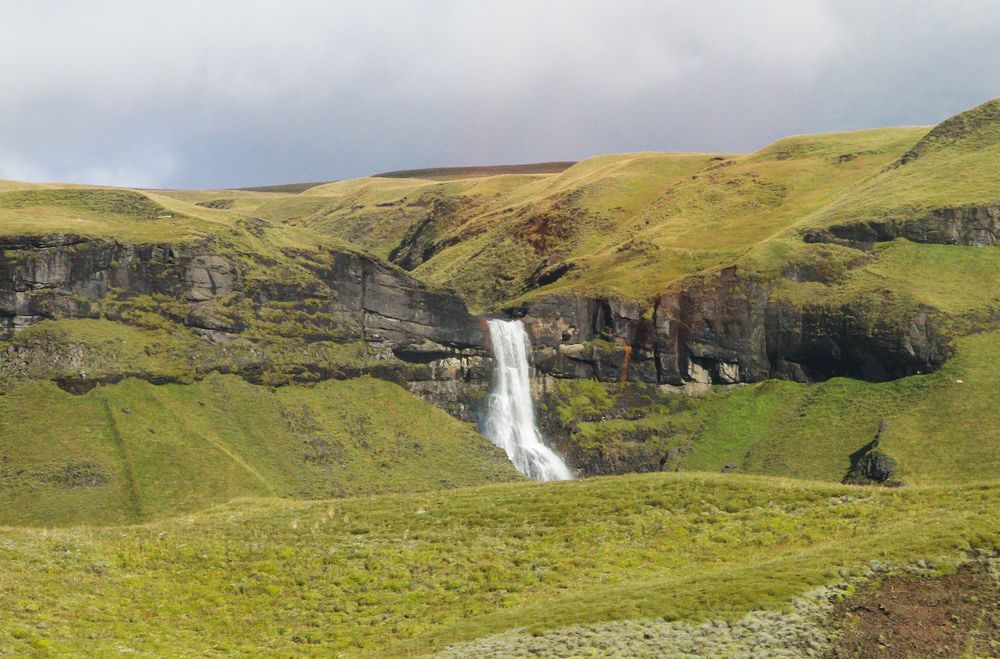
<point x="283" y="187"/>
<point x="554" y="167"/>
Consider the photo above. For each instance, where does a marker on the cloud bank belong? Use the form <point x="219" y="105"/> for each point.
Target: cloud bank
<point x="213" y="94"/>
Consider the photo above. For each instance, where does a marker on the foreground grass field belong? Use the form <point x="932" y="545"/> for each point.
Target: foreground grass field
<point x="394" y="575"/>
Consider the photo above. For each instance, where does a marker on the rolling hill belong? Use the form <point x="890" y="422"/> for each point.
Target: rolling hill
<point x="241" y="421"/>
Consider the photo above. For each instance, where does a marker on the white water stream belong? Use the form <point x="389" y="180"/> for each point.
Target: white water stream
<point x="508" y="419"/>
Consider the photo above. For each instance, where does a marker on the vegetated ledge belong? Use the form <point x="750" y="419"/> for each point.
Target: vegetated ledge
<point x="255" y="373"/>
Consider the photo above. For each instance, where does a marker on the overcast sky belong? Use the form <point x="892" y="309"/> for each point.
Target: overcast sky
<point x="209" y="93"/>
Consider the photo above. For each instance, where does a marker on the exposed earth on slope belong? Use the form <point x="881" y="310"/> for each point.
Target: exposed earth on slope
<point x="956" y="615"/>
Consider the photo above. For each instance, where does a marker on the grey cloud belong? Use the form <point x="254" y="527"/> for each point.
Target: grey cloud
<point x="221" y="93"/>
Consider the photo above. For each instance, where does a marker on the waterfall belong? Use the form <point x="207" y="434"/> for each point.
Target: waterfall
<point x="509" y="415"/>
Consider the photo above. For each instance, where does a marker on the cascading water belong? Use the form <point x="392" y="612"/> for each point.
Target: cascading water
<point x="509" y="415"/>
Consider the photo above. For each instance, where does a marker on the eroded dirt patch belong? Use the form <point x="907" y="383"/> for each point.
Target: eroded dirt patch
<point x="956" y="615"/>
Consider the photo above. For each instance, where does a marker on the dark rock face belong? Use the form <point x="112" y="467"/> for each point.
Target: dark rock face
<point x="725" y="329"/>
<point x="719" y="328"/>
<point x="976" y="226"/>
<point x="818" y="343"/>
<point x="348" y="297"/>
<point x="870" y="466"/>
<point x="577" y="337"/>
<point x="713" y="331"/>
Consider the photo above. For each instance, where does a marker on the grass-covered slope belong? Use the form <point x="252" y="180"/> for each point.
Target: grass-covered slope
<point x="937" y="428"/>
<point x="405" y="574"/>
<point x="134" y="451"/>
<point x="955" y="164"/>
<point x="629" y="224"/>
<point x="130" y="215"/>
<point x="632" y="225"/>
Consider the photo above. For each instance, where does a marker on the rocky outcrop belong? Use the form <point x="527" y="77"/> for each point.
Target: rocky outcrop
<point x="725" y="327"/>
<point x="976" y="226"/>
<point x="728" y="328"/>
<point x="870" y="465"/>
<point x="817" y="342"/>
<point x="222" y="292"/>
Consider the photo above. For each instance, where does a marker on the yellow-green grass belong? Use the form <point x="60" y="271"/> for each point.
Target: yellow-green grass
<point x="961" y="282"/>
<point x="377" y="213"/>
<point x="138" y="216"/>
<point x="404" y="574"/>
<point x="956" y="164"/>
<point x="135" y="451"/>
<point x="718" y="214"/>
<point x="940" y="428"/>
<point x="632" y="223"/>
<point x="243" y="202"/>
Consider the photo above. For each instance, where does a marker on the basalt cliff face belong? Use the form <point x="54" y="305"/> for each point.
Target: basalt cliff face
<point x="975" y="226"/>
<point x="65" y="276"/>
<point x="726" y="328"/>
<point x="734" y="326"/>
<point x="721" y="328"/>
<point x="242" y="303"/>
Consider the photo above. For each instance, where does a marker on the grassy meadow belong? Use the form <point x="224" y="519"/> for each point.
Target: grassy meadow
<point x="937" y="427"/>
<point x="398" y="575"/>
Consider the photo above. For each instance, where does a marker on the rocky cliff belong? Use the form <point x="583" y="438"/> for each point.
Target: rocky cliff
<point x="724" y="327"/>
<point x="977" y="226"/>
<point x="229" y="295"/>
<point x="734" y="325"/>
<point x="727" y="328"/>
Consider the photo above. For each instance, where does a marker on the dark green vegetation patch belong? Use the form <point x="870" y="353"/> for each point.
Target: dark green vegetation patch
<point x="101" y="201"/>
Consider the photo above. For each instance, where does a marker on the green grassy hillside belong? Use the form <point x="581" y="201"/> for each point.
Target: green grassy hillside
<point x="627" y="225"/>
<point x="405" y="574"/>
<point x="939" y="428"/>
<point x="134" y="451"/>
<point x="630" y="224"/>
<point x="323" y="512"/>
<point x="955" y="164"/>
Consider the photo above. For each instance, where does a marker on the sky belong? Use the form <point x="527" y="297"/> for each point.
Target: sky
<point x="213" y="93"/>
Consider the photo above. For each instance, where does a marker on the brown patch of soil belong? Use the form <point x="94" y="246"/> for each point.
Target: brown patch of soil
<point x="957" y="615"/>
